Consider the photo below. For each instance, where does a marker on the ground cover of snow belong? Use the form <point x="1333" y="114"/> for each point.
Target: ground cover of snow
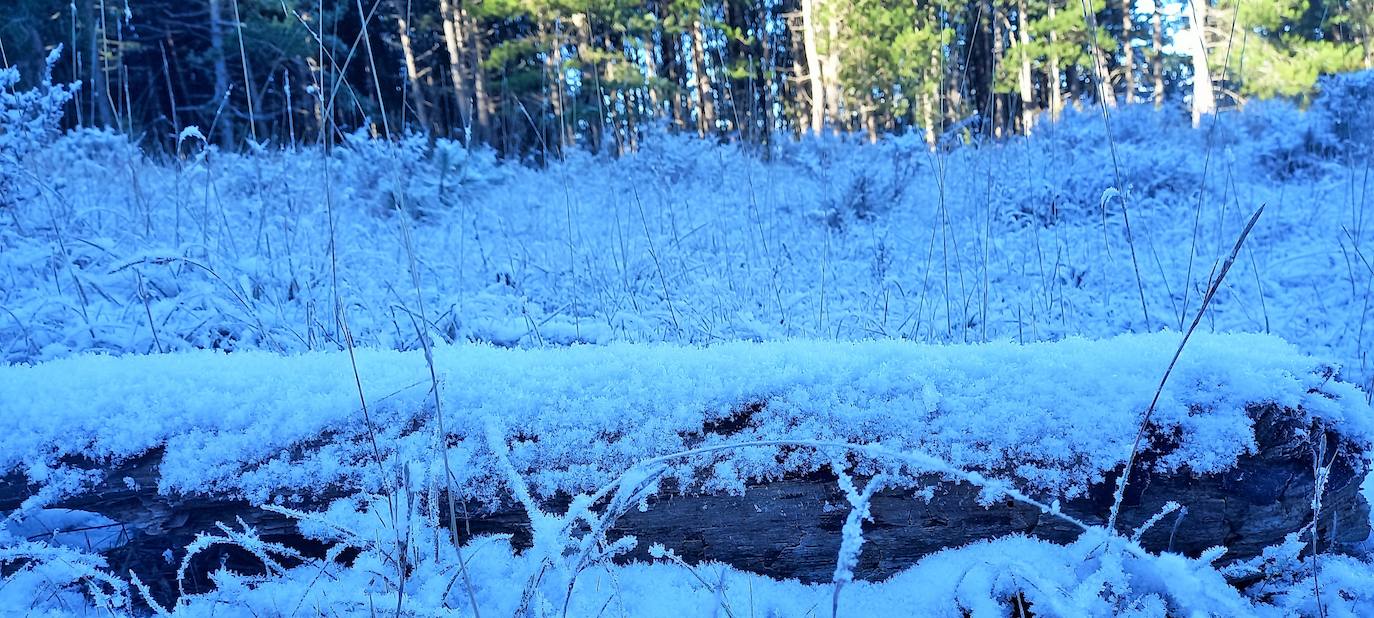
<point x="621" y="303"/>
<point x="108" y="249"/>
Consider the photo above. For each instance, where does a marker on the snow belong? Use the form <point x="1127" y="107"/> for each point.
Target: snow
<point x="1081" y="579"/>
<point x="978" y="311"/>
<point x="1061" y="414"/>
<point x="118" y="252"/>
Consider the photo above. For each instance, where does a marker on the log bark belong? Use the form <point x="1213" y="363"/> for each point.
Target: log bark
<point x="790" y="528"/>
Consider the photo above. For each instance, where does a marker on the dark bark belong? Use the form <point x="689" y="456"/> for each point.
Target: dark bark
<point x="225" y="124"/>
<point x="706" y="105"/>
<point x="791" y="527"/>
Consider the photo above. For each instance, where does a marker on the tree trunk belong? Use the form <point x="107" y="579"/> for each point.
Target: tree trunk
<point x="417" y="93"/>
<point x="834" y="96"/>
<point x="481" y="101"/>
<point x="706" y="104"/>
<point x="1075" y="86"/>
<point x="226" y="124"/>
<point x="1127" y="52"/>
<point x="1102" y="75"/>
<point x="100" y="106"/>
<point x="454" y="44"/>
<point x="931" y="99"/>
<point x="870" y="120"/>
<point x="553" y="65"/>
<point x="672" y="64"/>
<point x="955" y="107"/>
<point x="600" y="76"/>
<point x="814" y="76"/>
<point x="762" y="84"/>
<point x="999" y="102"/>
<point x="1056" y="89"/>
<point x="652" y="78"/>
<point x="1024" y="79"/>
<point x="632" y="103"/>
<point x="1204" y="97"/>
<point x="982" y="64"/>
<point x="1157" y="54"/>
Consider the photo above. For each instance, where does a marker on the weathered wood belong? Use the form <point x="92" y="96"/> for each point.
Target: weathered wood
<point x="790" y="528"/>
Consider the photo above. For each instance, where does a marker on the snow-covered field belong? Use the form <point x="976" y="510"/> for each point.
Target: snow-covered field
<point x="673" y="263"/>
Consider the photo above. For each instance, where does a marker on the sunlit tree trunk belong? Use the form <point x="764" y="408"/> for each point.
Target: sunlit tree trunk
<point x="652" y="77"/>
<point x="453" y="42"/>
<point x="1157" y="54"/>
<point x="1024" y="78"/>
<point x="930" y="107"/>
<point x="706" y="105"/>
<point x="417" y="93"/>
<point x="870" y="119"/>
<point x="1127" y="51"/>
<point x="814" y="76"/>
<point x="1204" y="97"/>
<point x="1056" y="79"/>
<point x="553" y="66"/>
<point x="834" y="97"/>
<point x="999" y="102"/>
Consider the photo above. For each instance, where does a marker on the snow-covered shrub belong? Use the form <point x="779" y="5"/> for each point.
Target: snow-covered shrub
<point x="858" y="183"/>
<point x="31" y="117"/>
<point x="1076" y="128"/>
<point x="1138" y="123"/>
<point x="1283" y="140"/>
<point x="676" y="157"/>
<point x="380" y="172"/>
<point x="39" y="575"/>
<point x="1071" y="164"/>
<point x="411" y="173"/>
<point x="28" y="119"/>
<point x="1347" y="99"/>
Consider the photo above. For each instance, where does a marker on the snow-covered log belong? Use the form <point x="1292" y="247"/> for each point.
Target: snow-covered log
<point x="166" y="447"/>
<point x="790" y="527"/>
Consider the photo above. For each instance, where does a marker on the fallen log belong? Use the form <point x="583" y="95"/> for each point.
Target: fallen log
<point x="790" y="527"/>
<point x="163" y="454"/>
